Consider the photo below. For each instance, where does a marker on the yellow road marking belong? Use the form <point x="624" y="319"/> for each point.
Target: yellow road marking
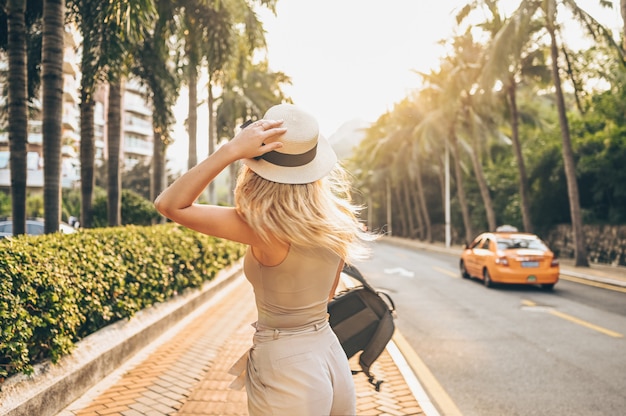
<point x="578" y="321"/>
<point x="593" y="283"/>
<point x="446" y="271"/>
<point x="587" y="324"/>
<point x="423" y="373"/>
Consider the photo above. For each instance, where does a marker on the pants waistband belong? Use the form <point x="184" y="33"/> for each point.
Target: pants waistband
<point x="265" y="334"/>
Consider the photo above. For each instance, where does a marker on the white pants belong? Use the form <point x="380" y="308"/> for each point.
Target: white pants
<point x="302" y="372"/>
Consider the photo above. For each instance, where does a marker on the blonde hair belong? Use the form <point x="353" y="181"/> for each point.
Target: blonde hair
<point x="317" y="214"/>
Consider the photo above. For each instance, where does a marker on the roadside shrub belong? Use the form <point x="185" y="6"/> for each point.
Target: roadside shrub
<point x="58" y="288"/>
<point x="136" y="210"/>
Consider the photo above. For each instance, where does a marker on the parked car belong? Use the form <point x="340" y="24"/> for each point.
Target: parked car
<point x="509" y="256"/>
<point x="33" y="227"/>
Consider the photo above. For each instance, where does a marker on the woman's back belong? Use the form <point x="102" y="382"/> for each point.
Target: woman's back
<point x="295" y="292"/>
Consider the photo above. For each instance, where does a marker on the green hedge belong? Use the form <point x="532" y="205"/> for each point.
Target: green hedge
<point x="56" y="289"/>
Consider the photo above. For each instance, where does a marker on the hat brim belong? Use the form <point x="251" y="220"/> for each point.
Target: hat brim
<point x="324" y="161"/>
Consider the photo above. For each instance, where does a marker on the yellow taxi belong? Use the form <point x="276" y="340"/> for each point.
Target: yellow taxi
<point x="509" y="256"/>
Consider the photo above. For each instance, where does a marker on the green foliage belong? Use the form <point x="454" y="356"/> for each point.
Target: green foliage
<point x="71" y="203"/>
<point x="58" y="288"/>
<point x="5" y="204"/>
<point x="135" y="209"/>
<point x="138" y="180"/>
<point x="34" y="205"/>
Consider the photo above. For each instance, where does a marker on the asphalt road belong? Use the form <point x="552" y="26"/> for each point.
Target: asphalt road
<point x="509" y="350"/>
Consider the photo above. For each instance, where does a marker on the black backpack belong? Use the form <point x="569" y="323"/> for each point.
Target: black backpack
<point x="362" y="318"/>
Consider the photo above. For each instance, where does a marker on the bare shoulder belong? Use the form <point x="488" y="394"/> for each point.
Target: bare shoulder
<point x="221" y="222"/>
<point x="272" y="254"/>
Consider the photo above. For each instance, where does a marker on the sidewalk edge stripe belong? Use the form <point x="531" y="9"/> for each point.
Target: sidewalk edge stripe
<point x="411" y="380"/>
<point x="423" y="373"/>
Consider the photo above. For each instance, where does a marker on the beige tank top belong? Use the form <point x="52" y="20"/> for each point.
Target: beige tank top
<point x="295" y="292"/>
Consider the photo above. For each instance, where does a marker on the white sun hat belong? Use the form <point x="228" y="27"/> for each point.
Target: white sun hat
<point x="305" y="157"/>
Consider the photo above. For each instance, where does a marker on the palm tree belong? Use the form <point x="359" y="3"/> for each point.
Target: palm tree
<point x="158" y="72"/>
<point x="456" y="105"/>
<point x="401" y="133"/>
<point x="568" y="152"/>
<point x="107" y="30"/>
<point x="192" y="35"/>
<point x="548" y="9"/>
<point x="18" y="110"/>
<point x="114" y="152"/>
<point x="511" y="58"/>
<point x="52" y="83"/>
<point x="235" y="35"/>
<point x="120" y="37"/>
<point x="88" y="15"/>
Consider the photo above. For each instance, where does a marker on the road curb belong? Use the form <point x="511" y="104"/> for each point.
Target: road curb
<point x="605" y="280"/>
<point x="52" y="387"/>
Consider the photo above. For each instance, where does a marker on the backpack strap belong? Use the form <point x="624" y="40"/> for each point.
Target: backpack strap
<point x="377" y="345"/>
<point x="356" y="274"/>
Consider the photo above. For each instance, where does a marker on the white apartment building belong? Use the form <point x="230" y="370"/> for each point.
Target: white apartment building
<point x="136" y="125"/>
<point x="136" y="122"/>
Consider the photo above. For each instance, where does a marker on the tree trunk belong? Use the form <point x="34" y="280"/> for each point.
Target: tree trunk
<point x="484" y="189"/>
<point x="52" y="82"/>
<point x="400" y="210"/>
<point x="424" y="208"/>
<point x="114" y="145"/>
<point x="212" y="134"/>
<point x="460" y="190"/>
<point x="18" y="111"/>
<point x="409" y="212"/>
<point x="415" y="199"/>
<point x="568" y="159"/>
<point x="517" y="147"/>
<point x="192" y="119"/>
<point x="87" y="158"/>
<point x="158" y="166"/>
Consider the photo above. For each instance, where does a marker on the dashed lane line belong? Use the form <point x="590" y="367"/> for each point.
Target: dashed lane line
<point x="577" y="321"/>
<point x="446" y="272"/>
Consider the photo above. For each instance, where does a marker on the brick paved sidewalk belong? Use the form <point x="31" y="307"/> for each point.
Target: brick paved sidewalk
<point x="186" y="374"/>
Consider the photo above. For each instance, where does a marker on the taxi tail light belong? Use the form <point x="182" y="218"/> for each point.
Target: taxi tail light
<point x="554" y="262"/>
<point x="502" y="261"/>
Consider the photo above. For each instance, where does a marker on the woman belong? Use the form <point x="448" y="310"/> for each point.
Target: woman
<point x="293" y="211"/>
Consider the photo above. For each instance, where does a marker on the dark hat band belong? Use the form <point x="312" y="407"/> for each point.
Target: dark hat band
<point x="287" y="160"/>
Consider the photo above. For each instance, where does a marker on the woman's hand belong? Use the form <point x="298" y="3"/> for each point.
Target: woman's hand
<point x="257" y="139"/>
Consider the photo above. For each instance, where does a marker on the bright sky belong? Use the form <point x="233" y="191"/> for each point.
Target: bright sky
<point x="355" y="58"/>
<point x="351" y="59"/>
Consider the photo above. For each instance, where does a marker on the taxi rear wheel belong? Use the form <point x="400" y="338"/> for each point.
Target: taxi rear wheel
<point x="487" y="278"/>
<point x="464" y="273"/>
<point x="547" y="286"/>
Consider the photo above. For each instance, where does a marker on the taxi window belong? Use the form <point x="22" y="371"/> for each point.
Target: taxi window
<point x="517" y="243"/>
<point x="476" y="243"/>
<point x="485" y="244"/>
